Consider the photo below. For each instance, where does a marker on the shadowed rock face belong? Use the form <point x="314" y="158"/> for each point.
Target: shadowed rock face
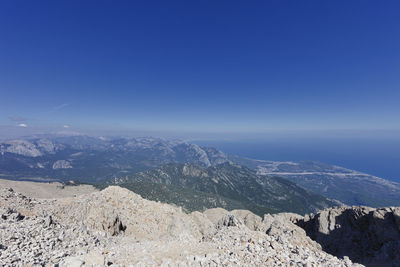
<point x="366" y="235"/>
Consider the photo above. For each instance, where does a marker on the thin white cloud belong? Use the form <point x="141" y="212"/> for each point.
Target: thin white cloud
<point x="66" y="126"/>
<point x="17" y="118"/>
<point x="22" y="125"/>
<point x="60" y="106"/>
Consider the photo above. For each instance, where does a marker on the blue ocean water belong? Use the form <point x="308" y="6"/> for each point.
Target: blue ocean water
<point x="376" y="157"/>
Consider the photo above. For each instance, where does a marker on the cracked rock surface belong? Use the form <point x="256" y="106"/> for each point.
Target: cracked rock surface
<point x="116" y="227"/>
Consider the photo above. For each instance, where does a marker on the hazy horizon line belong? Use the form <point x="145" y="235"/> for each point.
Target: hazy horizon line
<point x="10" y="131"/>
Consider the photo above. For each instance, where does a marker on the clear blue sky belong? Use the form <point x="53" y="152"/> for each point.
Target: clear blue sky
<point x="207" y="66"/>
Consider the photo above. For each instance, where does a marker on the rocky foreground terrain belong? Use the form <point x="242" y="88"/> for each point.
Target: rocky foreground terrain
<point x="116" y="227"/>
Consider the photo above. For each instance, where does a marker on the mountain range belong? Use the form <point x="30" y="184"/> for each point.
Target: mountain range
<point x="92" y="159"/>
<point x="162" y="168"/>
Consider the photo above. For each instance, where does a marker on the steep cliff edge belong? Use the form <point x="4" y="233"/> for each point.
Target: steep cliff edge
<point x="366" y="235"/>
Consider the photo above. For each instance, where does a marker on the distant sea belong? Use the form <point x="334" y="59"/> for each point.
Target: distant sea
<point x="376" y="157"/>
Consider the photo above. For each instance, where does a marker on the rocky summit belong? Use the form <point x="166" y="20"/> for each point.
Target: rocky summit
<point x="116" y="227"/>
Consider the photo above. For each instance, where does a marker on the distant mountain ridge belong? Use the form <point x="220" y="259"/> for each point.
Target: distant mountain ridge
<point x="93" y="159"/>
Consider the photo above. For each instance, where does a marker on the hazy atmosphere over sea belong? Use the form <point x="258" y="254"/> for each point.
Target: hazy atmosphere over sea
<point x="373" y="156"/>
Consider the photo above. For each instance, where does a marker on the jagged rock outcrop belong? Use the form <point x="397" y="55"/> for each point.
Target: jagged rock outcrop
<point x="220" y="217"/>
<point x="62" y="164"/>
<point x="118" y="227"/>
<point x="366" y="235"/>
<point x="118" y="211"/>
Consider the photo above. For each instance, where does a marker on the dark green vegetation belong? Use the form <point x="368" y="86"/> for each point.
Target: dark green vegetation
<point x="227" y="185"/>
